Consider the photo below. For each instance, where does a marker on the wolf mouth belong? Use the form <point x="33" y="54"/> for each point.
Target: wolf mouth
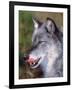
<point x="33" y="63"/>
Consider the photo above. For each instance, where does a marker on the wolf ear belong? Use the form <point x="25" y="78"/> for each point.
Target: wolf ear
<point x="36" y="23"/>
<point x="50" y="25"/>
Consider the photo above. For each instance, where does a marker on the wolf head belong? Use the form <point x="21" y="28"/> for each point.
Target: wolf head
<point x="45" y="35"/>
<point x="42" y="30"/>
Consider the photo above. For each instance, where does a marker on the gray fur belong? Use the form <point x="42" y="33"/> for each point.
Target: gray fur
<point x="47" y="41"/>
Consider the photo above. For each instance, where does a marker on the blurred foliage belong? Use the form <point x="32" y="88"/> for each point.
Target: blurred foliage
<point x="25" y="30"/>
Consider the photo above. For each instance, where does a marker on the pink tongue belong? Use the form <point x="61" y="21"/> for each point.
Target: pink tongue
<point x="30" y="60"/>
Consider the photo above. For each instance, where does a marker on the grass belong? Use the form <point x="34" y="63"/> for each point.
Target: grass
<point x="25" y="30"/>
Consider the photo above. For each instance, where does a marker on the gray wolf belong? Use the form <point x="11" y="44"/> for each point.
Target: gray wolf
<point x="47" y="48"/>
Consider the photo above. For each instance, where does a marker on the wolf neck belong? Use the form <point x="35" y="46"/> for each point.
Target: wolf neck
<point x="44" y="64"/>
